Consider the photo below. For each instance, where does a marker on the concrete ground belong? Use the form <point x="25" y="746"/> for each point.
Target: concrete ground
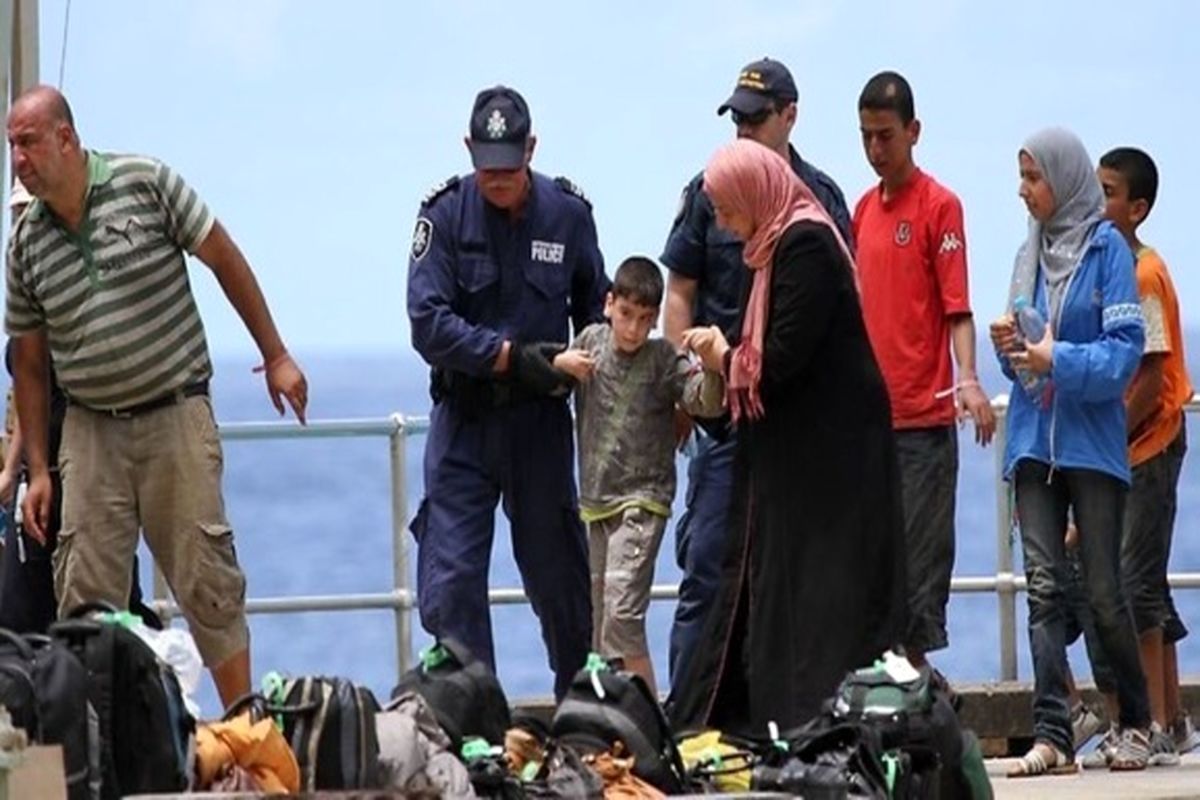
<point x="1156" y="783"/>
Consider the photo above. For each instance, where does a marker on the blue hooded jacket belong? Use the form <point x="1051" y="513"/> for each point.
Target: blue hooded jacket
<point x="1098" y="344"/>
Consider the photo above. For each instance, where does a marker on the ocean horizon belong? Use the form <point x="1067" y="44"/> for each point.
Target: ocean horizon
<point x="313" y="517"/>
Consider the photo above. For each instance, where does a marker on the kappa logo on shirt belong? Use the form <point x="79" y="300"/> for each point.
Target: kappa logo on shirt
<point x="903" y="232"/>
<point x="950" y="243"/>
<point x="547" y="252"/>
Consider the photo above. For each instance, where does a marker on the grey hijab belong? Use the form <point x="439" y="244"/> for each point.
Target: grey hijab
<point x="1061" y="241"/>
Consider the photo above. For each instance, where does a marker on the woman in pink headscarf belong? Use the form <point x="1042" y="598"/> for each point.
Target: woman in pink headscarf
<point x="813" y="581"/>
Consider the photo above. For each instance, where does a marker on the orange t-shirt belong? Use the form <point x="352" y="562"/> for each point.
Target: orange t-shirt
<point x="1164" y="334"/>
<point x="912" y="270"/>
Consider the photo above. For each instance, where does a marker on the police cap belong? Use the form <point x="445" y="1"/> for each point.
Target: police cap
<point x="500" y="126"/>
<point x="759" y="84"/>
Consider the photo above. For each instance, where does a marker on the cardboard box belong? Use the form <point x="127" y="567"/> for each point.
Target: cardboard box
<point x="36" y="775"/>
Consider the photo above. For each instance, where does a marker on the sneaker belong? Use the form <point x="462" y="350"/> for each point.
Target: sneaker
<point x="1133" y="751"/>
<point x="1102" y="756"/>
<point x="1186" y="737"/>
<point x="1085" y="724"/>
<point x="1162" y="748"/>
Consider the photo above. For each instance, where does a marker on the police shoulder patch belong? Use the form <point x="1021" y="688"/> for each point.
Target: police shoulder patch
<point x="570" y="187"/>
<point x="422" y="238"/>
<point x="439" y="189"/>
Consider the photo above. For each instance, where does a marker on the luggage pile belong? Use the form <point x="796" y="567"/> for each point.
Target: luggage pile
<point x="97" y="689"/>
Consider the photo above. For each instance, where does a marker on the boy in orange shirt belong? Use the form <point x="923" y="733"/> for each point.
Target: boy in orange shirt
<point x="1157" y="442"/>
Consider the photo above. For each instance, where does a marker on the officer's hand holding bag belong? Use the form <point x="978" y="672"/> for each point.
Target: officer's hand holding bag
<point x="533" y="370"/>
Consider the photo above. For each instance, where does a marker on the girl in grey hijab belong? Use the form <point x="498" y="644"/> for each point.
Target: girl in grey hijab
<point x="1060" y="241"/>
<point x="1069" y="455"/>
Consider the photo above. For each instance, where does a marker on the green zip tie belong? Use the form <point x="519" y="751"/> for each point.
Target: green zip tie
<point x="595" y="665"/>
<point x="713" y="755"/>
<point x="122" y="618"/>
<point x="476" y="748"/>
<point x="272" y="689"/>
<point x="433" y="657"/>
<point x="893" y="767"/>
<point x="773" y="732"/>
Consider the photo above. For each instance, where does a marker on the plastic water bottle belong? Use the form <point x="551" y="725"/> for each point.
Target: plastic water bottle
<point x="1031" y="326"/>
<point x="1029" y="320"/>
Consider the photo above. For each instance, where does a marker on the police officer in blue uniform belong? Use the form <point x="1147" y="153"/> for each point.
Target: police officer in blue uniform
<point x="503" y="261"/>
<point x="705" y="283"/>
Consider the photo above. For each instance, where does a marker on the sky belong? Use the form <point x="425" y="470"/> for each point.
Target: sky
<point x="313" y="129"/>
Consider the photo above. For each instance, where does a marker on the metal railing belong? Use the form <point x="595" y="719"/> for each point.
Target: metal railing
<point x="1005" y="584"/>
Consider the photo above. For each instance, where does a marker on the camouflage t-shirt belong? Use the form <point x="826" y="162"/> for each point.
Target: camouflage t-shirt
<point x="625" y="418"/>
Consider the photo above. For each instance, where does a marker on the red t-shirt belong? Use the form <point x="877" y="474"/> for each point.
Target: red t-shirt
<point x="912" y="270"/>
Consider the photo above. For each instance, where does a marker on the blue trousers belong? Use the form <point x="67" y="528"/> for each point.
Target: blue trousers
<point x="1098" y="501"/>
<point x="700" y="537"/>
<point x="523" y="457"/>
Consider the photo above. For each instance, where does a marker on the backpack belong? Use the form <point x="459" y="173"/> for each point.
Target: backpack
<point x="603" y="706"/>
<point x="44" y="687"/>
<point x="330" y="725"/>
<point x="146" y="735"/>
<point x="462" y="691"/>
<point x="924" y="749"/>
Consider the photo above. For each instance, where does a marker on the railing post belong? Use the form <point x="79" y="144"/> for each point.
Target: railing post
<point x="1006" y="590"/>
<point x="398" y="440"/>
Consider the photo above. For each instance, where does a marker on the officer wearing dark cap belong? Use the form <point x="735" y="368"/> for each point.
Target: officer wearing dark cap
<point x="704" y="287"/>
<point x="503" y="262"/>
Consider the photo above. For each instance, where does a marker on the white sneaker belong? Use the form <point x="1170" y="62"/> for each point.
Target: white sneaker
<point x="1186" y="737"/>
<point x="1102" y="756"/>
<point x="1162" y="748"/>
<point x="1085" y="724"/>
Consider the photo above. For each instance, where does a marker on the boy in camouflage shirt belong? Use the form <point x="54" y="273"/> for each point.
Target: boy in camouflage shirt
<point x="628" y="388"/>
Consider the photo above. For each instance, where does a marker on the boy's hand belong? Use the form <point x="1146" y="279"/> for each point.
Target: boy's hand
<point x="576" y="363"/>
<point x="974" y="403"/>
<point x="707" y="343"/>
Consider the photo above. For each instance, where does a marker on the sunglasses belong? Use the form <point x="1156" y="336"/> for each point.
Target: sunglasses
<point x="757" y="118"/>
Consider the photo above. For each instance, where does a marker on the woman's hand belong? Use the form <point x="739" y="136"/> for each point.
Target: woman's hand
<point x="708" y="344"/>
<point x="1035" y="357"/>
<point x="576" y="363"/>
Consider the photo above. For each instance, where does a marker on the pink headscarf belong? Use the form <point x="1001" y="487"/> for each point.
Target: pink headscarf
<point x="747" y="178"/>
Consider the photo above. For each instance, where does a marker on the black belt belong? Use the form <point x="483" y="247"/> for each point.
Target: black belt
<point x="177" y="396"/>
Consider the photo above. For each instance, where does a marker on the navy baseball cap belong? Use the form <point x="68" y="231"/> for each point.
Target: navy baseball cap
<point x="758" y="85"/>
<point x="500" y="126"/>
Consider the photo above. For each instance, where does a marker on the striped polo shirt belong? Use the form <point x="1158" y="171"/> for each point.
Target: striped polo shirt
<point x="114" y="298"/>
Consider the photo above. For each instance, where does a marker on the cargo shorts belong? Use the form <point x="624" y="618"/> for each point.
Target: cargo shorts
<point x="622" y="550"/>
<point x="160" y="472"/>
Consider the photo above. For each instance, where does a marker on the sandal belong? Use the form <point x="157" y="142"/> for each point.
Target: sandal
<point x="1036" y="763"/>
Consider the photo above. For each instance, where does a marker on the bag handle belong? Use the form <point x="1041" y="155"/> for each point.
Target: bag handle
<point x="256" y="701"/>
<point x="75" y="629"/>
<point x="15" y="639"/>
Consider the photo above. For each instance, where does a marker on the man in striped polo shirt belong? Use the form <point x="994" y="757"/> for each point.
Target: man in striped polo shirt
<point x="97" y="278"/>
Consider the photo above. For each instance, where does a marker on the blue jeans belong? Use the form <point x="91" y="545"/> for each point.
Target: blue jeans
<point x="1098" y="502"/>
<point x="700" y="536"/>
